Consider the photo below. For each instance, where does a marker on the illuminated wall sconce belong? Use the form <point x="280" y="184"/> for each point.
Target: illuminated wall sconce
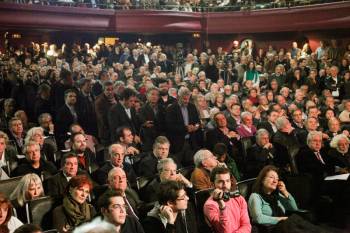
<point x="196" y="35"/>
<point x="16" y="36"/>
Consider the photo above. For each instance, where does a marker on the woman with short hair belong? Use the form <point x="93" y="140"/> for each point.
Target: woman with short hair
<point x="29" y="188"/>
<point x="75" y="209"/>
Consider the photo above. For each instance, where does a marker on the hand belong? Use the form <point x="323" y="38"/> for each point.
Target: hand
<point x="182" y="179"/>
<point x="190" y="128"/>
<point x="137" y="139"/>
<point x="282" y="188"/>
<point x="282" y="218"/>
<point x="232" y="134"/>
<point x="51" y="128"/>
<point x="217" y="196"/>
<point x="268" y="146"/>
<point x="168" y="213"/>
<point x="325" y="136"/>
<point x="132" y="151"/>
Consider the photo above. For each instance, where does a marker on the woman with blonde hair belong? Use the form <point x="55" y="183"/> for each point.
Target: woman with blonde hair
<point x="29" y="188"/>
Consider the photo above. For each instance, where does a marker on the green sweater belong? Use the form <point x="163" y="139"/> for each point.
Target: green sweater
<point x="261" y="211"/>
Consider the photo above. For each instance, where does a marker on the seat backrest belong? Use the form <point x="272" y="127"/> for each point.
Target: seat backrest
<point x="143" y="181"/>
<point x="186" y="171"/>
<point x="40" y="212"/>
<point x="246" y="144"/>
<point x="200" y="197"/>
<point x="7" y="186"/>
<point x="245" y="187"/>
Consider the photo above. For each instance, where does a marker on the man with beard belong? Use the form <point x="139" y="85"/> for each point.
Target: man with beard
<point x="229" y="215"/>
<point x="86" y="158"/>
<point x="165" y="99"/>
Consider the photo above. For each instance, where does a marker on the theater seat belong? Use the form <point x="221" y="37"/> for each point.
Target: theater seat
<point x="7" y="186"/>
<point x="142" y="181"/>
<point x="245" y="187"/>
<point x="186" y="171"/>
<point x="200" y="197"/>
<point x="39" y="212"/>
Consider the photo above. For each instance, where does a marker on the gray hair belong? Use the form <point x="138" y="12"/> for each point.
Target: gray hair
<point x="336" y="139"/>
<point x="201" y="155"/>
<point x="183" y="91"/>
<point x="30" y="143"/>
<point x="260" y="133"/>
<point x="281" y="122"/>
<point x="311" y="136"/>
<point x="97" y="225"/>
<point x="30" y="134"/>
<point x="20" y="192"/>
<point x="160" y="140"/>
<point x="110" y="148"/>
<point x="162" y="163"/>
<point x="246" y="114"/>
<point x="112" y="171"/>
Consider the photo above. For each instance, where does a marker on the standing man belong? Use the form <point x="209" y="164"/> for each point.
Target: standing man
<point x="183" y="127"/>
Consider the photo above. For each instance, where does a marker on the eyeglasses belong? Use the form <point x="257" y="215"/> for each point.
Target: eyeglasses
<point x="183" y="197"/>
<point x="119" y="207"/>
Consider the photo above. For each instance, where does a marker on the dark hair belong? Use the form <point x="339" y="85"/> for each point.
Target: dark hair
<point x="258" y="185"/>
<point x="69" y="91"/>
<point x="66" y="156"/>
<point x="220" y="149"/>
<point x="78" y="181"/>
<point x="120" y="131"/>
<point x="218" y="171"/>
<point x="73" y="135"/>
<point x="271" y="111"/>
<point x="28" y="228"/>
<point x="168" y="191"/>
<point x="127" y="93"/>
<point x="105" y="200"/>
<point x="5" y="201"/>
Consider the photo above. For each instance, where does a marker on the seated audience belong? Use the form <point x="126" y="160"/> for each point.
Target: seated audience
<point x="117" y="181"/>
<point x="173" y="212"/>
<point x="86" y="158"/>
<point x="221" y="154"/>
<point x="117" y="155"/>
<point x="36" y="134"/>
<point x="339" y="154"/>
<point x="75" y="209"/>
<point x="226" y="213"/>
<point x="29" y="188"/>
<point x="57" y="184"/>
<point x="34" y="163"/>
<point x="222" y="134"/>
<point x="114" y="210"/>
<point x="246" y="129"/>
<point x="270" y="202"/>
<point x="16" y="134"/>
<point x="205" y="162"/>
<point x="167" y="171"/>
<point x="262" y="153"/>
<point x="7" y="220"/>
<point x="8" y="156"/>
<point x="148" y="164"/>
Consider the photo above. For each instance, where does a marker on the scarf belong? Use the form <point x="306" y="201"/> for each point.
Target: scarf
<point x="272" y="199"/>
<point x="76" y="213"/>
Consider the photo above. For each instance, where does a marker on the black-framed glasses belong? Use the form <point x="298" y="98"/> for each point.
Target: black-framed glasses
<point x="119" y="207"/>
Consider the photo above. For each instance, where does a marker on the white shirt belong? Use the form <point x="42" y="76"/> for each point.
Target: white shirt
<point x="13" y="224"/>
<point x="3" y="160"/>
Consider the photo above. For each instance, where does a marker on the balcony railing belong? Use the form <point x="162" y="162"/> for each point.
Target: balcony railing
<point x="177" y="5"/>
